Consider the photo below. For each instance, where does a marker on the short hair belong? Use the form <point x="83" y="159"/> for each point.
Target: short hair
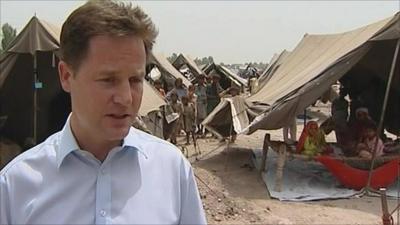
<point x="178" y="80"/>
<point x="103" y="17"/>
<point x="158" y="81"/>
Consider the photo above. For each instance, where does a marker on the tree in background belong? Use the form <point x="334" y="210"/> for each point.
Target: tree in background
<point x="204" y="60"/>
<point x="8" y="33"/>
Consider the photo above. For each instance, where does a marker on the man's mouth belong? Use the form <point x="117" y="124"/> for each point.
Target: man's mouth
<point x="119" y="116"/>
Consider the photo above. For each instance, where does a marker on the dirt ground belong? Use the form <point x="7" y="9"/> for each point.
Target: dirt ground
<point x="233" y="192"/>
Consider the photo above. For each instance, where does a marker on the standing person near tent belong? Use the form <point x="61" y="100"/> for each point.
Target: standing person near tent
<point x="179" y="89"/>
<point x="175" y="107"/>
<point x="213" y="91"/>
<point x="188" y="118"/>
<point x="340" y="113"/>
<point x="98" y="169"/>
<point x="192" y="94"/>
<point x="201" y="103"/>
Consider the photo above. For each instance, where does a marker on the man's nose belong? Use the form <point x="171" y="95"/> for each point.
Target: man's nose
<point x="123" y="94"/>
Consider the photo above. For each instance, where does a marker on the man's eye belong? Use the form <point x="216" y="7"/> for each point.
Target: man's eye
<point x="107" y="80"/>
<point x="135" y="80"/>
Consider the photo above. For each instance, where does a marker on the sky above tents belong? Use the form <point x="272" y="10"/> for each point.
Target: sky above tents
<point x="230" y="31"/>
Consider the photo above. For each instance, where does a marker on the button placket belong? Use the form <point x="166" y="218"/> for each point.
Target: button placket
<point x="103" y="193"/>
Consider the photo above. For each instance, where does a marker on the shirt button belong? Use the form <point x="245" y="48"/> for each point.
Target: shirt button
<point x="103" y="213"/>
<point x="103" y="171"/>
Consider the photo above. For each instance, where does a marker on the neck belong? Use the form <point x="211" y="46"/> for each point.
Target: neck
<point x="88" y="142"/>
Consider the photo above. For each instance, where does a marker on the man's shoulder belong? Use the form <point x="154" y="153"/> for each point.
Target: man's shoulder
<point x="38" y="154"/>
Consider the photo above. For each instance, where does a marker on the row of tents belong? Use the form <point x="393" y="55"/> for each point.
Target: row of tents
<point x="32" y="102"/>
<point x="361" y="59"/>
<point x="31" y="98"/>
<point x="35" y="106"/>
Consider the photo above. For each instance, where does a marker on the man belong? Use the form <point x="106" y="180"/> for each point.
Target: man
<point x="213" y="93"/>
<point x="99" y="169"/>
<point x="179" y="89"/>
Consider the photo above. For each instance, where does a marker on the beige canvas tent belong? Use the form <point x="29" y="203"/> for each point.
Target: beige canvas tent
<point x="276" y="61"/>
<point x="228" y="78"/>
<point x="361" y="59"/>
<point x="184" y="59"/>
<point x="318" y="61"/>
<point x="30" y="92"/>
<point x="168" y="72"/>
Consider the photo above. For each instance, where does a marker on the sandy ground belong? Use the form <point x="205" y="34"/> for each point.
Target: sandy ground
<point x="233" y="192"/>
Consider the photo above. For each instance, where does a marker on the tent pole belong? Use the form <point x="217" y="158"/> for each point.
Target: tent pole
<point x="34" y="98"/>
<point x="385" y="100"/>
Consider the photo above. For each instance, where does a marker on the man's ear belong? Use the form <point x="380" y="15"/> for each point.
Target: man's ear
<point x="65" y="74"/>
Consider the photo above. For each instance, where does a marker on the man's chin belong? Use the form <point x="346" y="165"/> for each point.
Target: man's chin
<point x="119" y="134"/>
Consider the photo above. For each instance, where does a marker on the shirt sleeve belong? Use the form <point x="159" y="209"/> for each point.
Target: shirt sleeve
<point x="192" y="211"/>
<point x="4" y="202"/>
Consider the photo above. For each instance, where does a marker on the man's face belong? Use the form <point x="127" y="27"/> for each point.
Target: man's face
<point x="106" y="90"/>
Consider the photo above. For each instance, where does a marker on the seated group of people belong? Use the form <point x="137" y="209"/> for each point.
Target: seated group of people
<point x="359" y="138"/>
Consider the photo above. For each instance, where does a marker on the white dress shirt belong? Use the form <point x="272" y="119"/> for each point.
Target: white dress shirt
<point x="145" y="181"/>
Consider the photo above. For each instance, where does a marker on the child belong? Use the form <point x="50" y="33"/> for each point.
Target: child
<point x="189" y="118"/>
<point x="176" y="107"/>
<point x="368" y="141"/>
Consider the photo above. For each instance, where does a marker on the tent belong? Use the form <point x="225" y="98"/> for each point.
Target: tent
<point x="20" y="95"/>
<point x="274" y="64"/>
<point x="30" y="93"/>
<point x="227" y="77"/>
<point x="168" y="72"/>
<point x="361" y="59"/>
<point x="182" y="60"/>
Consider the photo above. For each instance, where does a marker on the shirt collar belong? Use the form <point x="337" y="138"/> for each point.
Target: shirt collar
<point x="69" y="144"/>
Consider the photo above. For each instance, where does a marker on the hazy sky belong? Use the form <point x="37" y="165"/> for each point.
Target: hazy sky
<point x="230" y="31"/>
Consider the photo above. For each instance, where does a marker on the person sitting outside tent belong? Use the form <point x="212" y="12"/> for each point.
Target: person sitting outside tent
<point x="312" y="141"/>
<point x="179" y="89"/>
<point x="213" y="91"/>
<point x="201" y="101"/>
<point x="188" y="118"/>
<point x="339" y="111"/>
<point x="176" y="107"/>
<point x="369" y="141"/>
<point x="356" y="128"/>
<point x="158" y="86"/>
